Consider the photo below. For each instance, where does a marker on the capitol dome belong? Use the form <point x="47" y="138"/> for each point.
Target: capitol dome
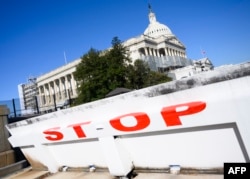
<point x="156" y="29"/>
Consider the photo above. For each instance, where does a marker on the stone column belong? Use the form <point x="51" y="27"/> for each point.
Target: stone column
<point x="153" y="52"/>
<point x="146" y="51"/>
<point x="74" y="84"/>
<point x="52" y="88"/>
<point x="47" y="94"/>
<point x="63" y="88"/>
<point x="156" y="52"/>
<point x="150" y="51"/>
<point x="44" y="95"/>
<point x="57" y="89"/>
<point x="166" y="51"/>
<point x="7" y="156"/>
<point x="69" y="79"/>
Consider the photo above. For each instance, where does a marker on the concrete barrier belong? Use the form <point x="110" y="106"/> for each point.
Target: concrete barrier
<point x="198" y="122"/>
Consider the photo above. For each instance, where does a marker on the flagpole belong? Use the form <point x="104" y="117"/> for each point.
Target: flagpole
<point x="202" y="52"/>
<point x="65" y="59"/>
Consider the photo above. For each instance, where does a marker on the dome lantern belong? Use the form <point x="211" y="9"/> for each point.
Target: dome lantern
<point x="156" y="29"/>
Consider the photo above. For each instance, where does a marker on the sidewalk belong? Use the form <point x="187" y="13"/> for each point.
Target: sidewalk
<point x="101" y="175"/>
<point x="34" y="174"/>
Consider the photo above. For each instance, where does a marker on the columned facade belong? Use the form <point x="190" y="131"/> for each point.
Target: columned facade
<point x="158" y="46"/>
<point x="163" y="52"/>
<point x="57" y="87"/>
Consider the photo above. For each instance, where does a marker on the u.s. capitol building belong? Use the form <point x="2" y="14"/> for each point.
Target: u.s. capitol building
<point x="157" y="46"/>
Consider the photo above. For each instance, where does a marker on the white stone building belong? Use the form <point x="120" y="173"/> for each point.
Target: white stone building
<point x="158" y="46"/>
<point x="162" y="50"/>
<point x="57" y="87"/>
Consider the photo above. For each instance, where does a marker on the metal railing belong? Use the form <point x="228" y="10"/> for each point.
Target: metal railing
<point x="20" y="108"/>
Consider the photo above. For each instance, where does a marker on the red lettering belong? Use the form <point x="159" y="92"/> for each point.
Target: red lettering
<point x="171" y="115"/>
<point x="142" y="120"/>
<point x="78" y="129"/>
<point x="55" y="134"/>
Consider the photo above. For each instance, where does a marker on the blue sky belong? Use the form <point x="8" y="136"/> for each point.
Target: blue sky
<point x="34" y="34"/>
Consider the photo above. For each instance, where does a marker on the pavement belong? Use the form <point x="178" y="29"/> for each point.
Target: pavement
<point x="96" y="175"/>
<point x="28" y="173"/>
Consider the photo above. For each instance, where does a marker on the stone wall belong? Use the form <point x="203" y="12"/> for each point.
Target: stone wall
<point x="7" y="155"/>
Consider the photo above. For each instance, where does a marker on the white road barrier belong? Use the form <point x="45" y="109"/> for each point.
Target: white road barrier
<point x="200" y="122"/>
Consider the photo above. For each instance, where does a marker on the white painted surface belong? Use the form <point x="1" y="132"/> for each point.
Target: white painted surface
<point x="197" y="142"/>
